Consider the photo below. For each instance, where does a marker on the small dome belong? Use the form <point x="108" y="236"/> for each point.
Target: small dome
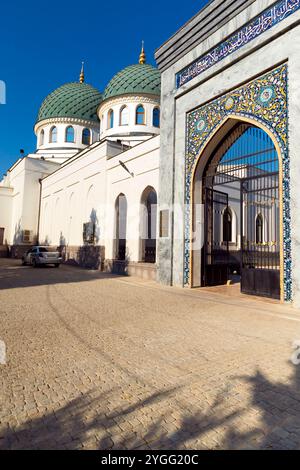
<point x="72" y="100"/>
<point x="138" y="78"/>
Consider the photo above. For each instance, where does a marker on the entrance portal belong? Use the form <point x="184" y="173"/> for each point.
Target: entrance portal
<point x="240" y="191"/>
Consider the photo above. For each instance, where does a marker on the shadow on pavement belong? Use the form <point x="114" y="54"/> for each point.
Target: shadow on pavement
<point x="14" y="275"/>
<point x="95" y="422"/>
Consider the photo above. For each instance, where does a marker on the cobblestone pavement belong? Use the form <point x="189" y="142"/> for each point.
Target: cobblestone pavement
<point x="100" y="362"/>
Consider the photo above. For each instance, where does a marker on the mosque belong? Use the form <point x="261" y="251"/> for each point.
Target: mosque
<point x="187" y="173"/>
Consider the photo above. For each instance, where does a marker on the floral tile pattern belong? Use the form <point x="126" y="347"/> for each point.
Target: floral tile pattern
<point x="263" y="100"/>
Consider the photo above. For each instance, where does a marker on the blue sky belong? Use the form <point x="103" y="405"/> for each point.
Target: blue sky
<point x="42" y="46"/>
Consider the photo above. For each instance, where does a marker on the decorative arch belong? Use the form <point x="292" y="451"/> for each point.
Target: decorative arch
<point x="86" y="136"/>
<point x="53" y="135"/>
<point x="227" y="225"/>
<point x="259" y="228"/>
<point x="42" y="137"/>
<point x="110" y="119"/>
<point x="124" y="116"/>
<point x="262" y="103"/>
<point x="70" y="134"/>
<point x="140" y="115"/>
<point x="156" y="117"/>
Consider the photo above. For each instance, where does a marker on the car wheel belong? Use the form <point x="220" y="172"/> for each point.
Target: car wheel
<point x="56" y="265"/>
<point x="23" y="263"/>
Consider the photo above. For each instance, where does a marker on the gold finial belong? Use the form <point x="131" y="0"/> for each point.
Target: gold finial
<point x="81" y="76"/>
<point x="142" y="55"/>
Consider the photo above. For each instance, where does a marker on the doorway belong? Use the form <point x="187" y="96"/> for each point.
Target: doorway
<point x="240" y="192"/>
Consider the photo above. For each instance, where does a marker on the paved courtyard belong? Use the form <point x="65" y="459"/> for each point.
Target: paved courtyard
<point x="100" y="362"/>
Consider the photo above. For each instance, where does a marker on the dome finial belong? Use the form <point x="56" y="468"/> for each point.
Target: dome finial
<point x="142" y="59"/>
<point x="81" y="76"/>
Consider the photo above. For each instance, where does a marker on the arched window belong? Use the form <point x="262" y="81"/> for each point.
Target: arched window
<point x="86" y="137"/>
<point x="42" y="137"/>
<point x="110" y="120"/>
<point x="140" y="115"/>
<point x="124" y="116"/>
<point x="53" y="135"/>
<point x="227" y="225"/>
<point x="259" y="229"/>
<point x="156" y="117"/>
<point x="70" y="134"/>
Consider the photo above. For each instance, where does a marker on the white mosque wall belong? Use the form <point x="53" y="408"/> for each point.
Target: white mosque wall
<point x="6" y="209"/>
<point x="86" y="188"/>
<point x="68" y="196"/>
<point x="21" y="190"/>
<point x="143" y="162"/>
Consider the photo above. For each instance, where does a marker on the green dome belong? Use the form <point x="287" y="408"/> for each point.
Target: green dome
<point x="72" y="100"/>
<point x="138" y="78"/>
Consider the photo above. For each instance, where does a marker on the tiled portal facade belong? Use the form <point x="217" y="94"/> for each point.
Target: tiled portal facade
<point x="263" y="101"/>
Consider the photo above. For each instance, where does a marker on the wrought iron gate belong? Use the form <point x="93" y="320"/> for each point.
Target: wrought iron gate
<point x="260" y="244"/>
<point x="242" y="213"/>
<point x="215" y="249"/>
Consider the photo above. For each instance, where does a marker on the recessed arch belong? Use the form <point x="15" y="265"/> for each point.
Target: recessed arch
<point x="70" y="134"/>
<point x="140" y="115"/>
<point x="259" y="229"/>
<point x="124" y="116"/>
<point x="86" y="136"/>
<point x="148" y="225"/>
<point x="227" y="225"/>
<point x="53" y="135"/>
<point x="110" y="119"/>
<point x="42" y="137"/>
<point x="120" y="227"/>
<point x="156" y="117"/>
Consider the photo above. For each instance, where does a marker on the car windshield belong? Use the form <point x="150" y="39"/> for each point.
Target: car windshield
<point x="43" y="250"/>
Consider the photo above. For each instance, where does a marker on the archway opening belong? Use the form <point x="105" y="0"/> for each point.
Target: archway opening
<point x="121" y="227"/>
<point x="239" y="174"/>
<point x="148" y="225"/>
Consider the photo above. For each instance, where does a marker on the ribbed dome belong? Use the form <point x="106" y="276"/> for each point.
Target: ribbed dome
<point x="138" y="78"/>
<point x="72" y="100"/>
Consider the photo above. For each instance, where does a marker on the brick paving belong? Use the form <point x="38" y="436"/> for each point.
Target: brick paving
<point x="100" y="362"/>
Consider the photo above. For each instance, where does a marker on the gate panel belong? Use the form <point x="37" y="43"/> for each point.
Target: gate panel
<point x="215" y="249"/>
<point x="244" y="168"/>
<point x="260" y="245"/>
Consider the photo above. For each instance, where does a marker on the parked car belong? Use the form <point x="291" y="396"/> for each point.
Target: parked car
<point x="41" y="255"/>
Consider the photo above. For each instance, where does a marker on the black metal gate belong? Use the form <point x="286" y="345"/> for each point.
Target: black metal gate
<point x="215" y="249"/>
<point x="242" y="213"/>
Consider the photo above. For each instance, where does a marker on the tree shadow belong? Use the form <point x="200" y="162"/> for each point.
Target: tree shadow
<point x="278" y="407"/>
<point x="92" y="421"/>
<point x="84" y="421"/>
